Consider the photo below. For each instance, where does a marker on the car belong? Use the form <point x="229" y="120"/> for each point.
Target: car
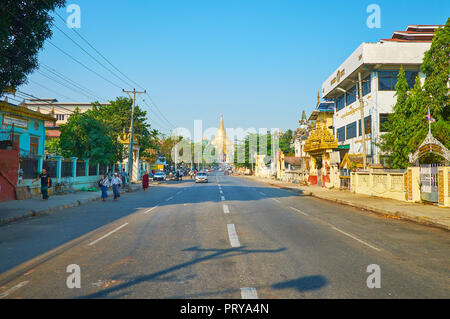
<point x="159" y="176"/>
<point x="201" y="178"/>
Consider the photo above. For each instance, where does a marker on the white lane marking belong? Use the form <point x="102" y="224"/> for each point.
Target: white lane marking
<point x="222" y="198"/>
<point x="249" y="293"/>
<point x="170" y="198"/>
<point x="151" y="209"/>
<point x="108" y="234"/>
<point x="299" y="211"/>
<point x="276" y="200"/>
<point x="262" y="193"/>
<point x="234" y="241"/>
<point x="219" y="185"/>
<point x="357" y="239"/>
<point x="13" y="289"/>
<point x="226" y="210"/>
<point x="221" y="192"/>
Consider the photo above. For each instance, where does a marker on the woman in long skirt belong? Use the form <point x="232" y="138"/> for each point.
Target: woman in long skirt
<point x="145" y="179"/>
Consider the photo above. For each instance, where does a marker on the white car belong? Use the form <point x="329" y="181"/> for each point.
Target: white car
<point x="159" y="176"/>
<point x="201" y="178"/>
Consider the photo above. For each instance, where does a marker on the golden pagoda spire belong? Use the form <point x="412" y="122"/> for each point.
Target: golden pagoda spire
<point x="221" y="122"/>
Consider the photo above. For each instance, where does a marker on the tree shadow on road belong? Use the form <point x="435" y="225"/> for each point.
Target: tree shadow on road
<point x="212" y="253"/>
<point x="303" y="284"/>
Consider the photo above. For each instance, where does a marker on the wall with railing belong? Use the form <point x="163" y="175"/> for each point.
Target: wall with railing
<point x="379" y="183"/>
<point x="67" y="174"/>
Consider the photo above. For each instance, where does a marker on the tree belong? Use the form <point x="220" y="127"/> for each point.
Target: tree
<point x="86" y="137"/>
<point x="436" y="67"/>
<point x="117" y="116"/>
<point x="24" y="27"/>
<point x="285" y="143"/>
<point x="53" y="146"/>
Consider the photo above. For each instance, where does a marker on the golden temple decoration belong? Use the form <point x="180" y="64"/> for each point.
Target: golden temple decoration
<point x="320" y="139"/>
<point x="124" y="138"/>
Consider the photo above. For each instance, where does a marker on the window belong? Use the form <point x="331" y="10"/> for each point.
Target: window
<point x="340" y="103"/>
<point x="367" y="125"/>
<point x="16" y="141"/>
<point x="341" y="134"/>
<point x="60" y="117"/>
<point x="384" y="117"/>
<point x="351" y="130"/>
<point x="34" y="145"/>
<point x="350" y="97"/>
<point x="387" y="80"/>
<point x="366" y="86"/>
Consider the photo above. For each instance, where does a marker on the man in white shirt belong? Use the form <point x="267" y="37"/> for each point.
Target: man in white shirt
<point x="115" y="182"/>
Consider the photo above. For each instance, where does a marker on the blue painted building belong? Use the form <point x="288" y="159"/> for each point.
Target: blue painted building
<point x="24" y="128"/>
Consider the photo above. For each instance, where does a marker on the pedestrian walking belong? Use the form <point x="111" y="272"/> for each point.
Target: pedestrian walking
<point x="46" y="182"/>
<point x="145" y="179"/>
<point x="115" y="182"/>
<point x="104" y="184"/>
<point x="124" y="176"/>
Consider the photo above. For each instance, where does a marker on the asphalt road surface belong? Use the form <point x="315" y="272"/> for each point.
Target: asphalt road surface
<point x="231" y="238"/>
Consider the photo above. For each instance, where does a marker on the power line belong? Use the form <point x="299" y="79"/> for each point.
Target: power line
<point x="91" y="46"/>
<point x="69" y="55"/>
<point x="61" y="76"/>
<point x="62" y="84"/>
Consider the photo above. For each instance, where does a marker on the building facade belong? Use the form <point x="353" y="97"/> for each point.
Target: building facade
<point x="378" y="65"/>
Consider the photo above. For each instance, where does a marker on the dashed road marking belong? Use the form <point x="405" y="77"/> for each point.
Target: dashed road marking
<point x="249" y="293"/>
<point x="262" y="193"/>
<point x="299" y="211"/>
<point x="170" y="198"/>
<point x="151" y="209"/>
<point x="13" y="289"/>
<point x="108" y="234"/>
<point x="234" y="241"/>
<point x="226" y="210"/>
<point x="357" y="239"/>
<point x="221" y="192"/>
<point x="276" y="200"/>
<point x="222" y="198"/>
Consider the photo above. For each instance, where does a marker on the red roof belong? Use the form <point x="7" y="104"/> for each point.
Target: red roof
<point x="53" y="133"/>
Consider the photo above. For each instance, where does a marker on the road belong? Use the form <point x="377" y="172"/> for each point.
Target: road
<point x="231" y="238"/>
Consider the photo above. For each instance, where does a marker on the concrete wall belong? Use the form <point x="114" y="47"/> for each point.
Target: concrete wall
<point x="381" y="184"/>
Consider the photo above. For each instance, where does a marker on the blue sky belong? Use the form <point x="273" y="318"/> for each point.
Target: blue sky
<point x="259" y="62"/>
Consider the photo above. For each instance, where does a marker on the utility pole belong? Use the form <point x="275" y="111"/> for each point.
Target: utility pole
<point x="363" y="129"/>
<point x="130" y="147"/>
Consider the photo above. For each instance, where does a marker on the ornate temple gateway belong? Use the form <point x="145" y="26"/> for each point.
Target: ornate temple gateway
<point x="224" y="147"/>
<point x="320" y="143"/>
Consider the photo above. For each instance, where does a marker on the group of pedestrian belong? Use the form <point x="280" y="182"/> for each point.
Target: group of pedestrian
<point x="112" y="181"/>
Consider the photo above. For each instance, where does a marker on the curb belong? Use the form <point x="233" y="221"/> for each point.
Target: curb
<point x="48" y="211"/>
<point x="399" y="215"/>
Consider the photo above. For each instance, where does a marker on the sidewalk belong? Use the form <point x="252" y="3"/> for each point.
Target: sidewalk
<point x="429" y="215"/>
<point x="16" y="210"/>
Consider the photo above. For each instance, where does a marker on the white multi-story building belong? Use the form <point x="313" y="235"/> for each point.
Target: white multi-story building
<point x="60" y="110"/>
<point x="379" y="64"/>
